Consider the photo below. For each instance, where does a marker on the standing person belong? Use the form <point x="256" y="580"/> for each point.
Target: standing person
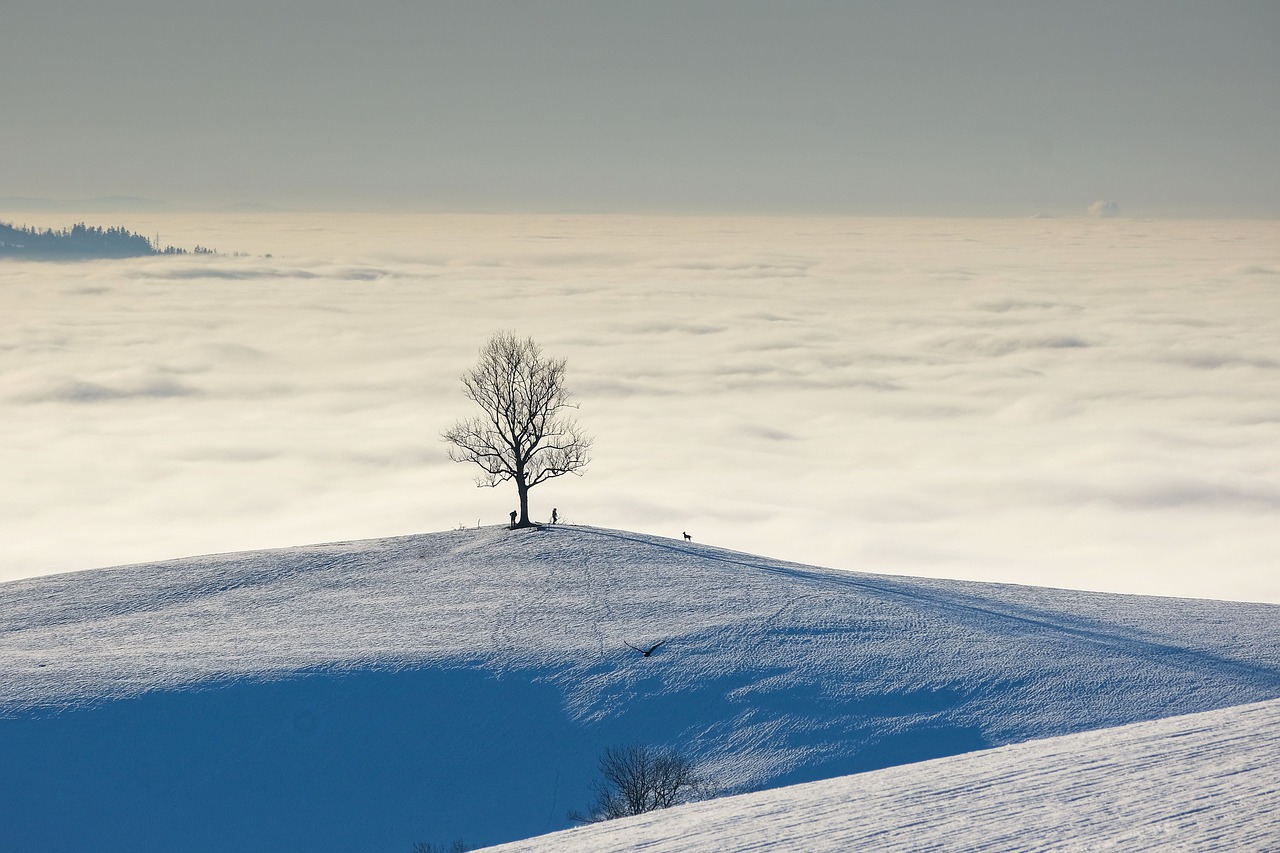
<point x="514" y="513"/>
<point x="554" y="515"/>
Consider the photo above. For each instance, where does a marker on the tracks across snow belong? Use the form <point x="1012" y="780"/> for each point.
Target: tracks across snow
<point x="513" y="643"/>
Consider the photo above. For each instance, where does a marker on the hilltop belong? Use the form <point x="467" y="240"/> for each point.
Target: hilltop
<point x="368" y="695"/>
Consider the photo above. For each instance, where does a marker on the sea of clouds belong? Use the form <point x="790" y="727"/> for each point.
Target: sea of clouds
<point x="1077" y="402"/>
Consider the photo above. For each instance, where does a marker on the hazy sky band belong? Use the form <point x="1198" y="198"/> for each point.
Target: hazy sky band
<point x="862" y="107"/>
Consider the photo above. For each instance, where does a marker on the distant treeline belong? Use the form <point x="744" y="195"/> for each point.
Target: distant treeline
<point x="82" y="242"/>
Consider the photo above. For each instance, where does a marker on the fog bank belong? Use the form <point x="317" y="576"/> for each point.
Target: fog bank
<point x="1068" y="402"/>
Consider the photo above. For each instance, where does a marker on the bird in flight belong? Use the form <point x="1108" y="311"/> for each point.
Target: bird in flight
<point x="648" y="651"/>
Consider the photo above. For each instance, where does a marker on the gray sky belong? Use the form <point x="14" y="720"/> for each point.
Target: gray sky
<point x="854" y="107"/>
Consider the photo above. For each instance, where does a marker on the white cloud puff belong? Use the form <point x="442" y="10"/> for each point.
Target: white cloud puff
<point x="1104" y="209"/>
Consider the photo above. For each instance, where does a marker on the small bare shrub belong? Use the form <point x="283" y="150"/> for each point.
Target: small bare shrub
<point x="637" y="779"/>
<point x="458" y="846"/>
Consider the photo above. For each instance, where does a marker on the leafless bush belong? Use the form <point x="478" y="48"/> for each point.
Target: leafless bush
<point x="458" y="846"/>
<point x="637" y="779"/>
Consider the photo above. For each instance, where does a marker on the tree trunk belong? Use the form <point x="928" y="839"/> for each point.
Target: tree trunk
<point x="523" y="489"/>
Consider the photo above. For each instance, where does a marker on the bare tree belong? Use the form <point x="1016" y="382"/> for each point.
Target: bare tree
<point x="637" y="779"/>
<point x="525" y="433"/>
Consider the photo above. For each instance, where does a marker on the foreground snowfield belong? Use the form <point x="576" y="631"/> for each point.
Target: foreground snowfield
<point x="369" y="695"/>
<point x="1208" y="781"/>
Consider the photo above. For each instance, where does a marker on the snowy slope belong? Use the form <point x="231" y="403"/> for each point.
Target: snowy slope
<point x="1208" y="781"/>
<point x="373" y="694"/>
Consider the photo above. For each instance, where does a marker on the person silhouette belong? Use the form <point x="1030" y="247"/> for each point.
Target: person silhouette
<point x="513" y="518"/>
<point x="554" y="515"/>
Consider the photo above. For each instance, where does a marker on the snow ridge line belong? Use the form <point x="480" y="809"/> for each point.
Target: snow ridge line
<point x="950" y="605"/>
<point x="1203" y="782"/>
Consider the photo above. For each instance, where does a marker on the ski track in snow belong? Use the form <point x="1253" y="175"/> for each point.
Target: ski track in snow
<point x="1202" y="782"/>
<point x="484" y="666"/>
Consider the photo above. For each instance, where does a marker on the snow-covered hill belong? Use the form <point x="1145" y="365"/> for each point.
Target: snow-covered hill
<point x="1208" y="781"/>
<point x="369" y="695"/>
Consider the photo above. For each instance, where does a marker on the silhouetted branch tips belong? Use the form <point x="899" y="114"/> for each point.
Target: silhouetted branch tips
<point x="524" y="432"/>
<point x="637" y="779"/>
<point x="458" y="846"/>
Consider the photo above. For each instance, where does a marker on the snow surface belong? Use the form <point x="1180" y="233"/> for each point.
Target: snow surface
<point x="370" y="695"/>
<point x="1208" y="781"/>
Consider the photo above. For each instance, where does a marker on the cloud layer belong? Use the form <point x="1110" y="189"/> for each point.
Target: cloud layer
<point x="1072" y="402"/>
